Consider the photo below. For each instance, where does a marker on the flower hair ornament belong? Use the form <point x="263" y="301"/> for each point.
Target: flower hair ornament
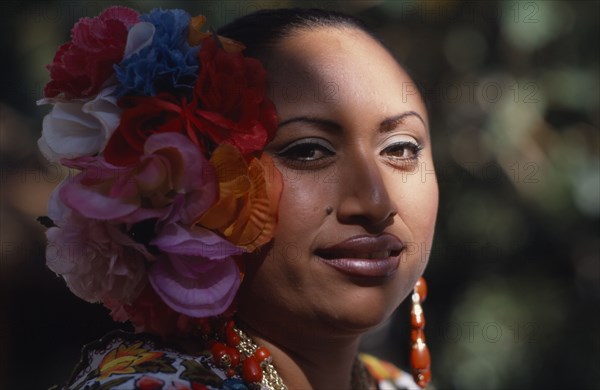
<point x="163" y="126"/>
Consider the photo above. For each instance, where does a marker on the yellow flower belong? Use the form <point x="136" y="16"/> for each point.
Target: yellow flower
<point x="124" y="359"/>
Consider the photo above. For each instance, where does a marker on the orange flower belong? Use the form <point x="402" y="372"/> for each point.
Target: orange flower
<point x="196" y="35"/>
<point x="124" y="359"/>
<point x="246" y="212"/>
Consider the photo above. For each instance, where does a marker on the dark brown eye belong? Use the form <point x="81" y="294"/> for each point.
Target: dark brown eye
<point x="309" y="151"/>
<point x="403" y="151"/>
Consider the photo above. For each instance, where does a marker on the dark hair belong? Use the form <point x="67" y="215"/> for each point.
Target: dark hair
<point x="261" y="30"/>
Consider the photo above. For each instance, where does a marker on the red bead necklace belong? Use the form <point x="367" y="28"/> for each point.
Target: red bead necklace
<point x="236" y="353"/>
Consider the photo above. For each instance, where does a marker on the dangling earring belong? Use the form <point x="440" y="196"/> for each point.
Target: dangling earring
<point x="420" y="359"/>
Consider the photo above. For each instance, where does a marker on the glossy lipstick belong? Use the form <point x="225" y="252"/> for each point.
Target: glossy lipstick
<point x="364" y="255"/>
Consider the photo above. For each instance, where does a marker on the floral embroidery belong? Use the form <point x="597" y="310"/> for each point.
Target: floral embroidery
<point x="196" y="372"/>
<point x="129" y="361"/>
<point x="387" y="375"/>
<point x="125" y="360"/>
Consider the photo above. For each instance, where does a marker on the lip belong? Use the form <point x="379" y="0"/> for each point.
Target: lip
<point x="364" y="255"/>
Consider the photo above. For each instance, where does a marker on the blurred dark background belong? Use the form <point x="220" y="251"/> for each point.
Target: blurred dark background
<point x="514" y="275"/>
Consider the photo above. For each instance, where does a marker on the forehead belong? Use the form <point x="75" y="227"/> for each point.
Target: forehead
<point x="337" y="66"/>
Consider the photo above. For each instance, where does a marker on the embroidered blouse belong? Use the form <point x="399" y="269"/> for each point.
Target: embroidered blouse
<point x="127" y="361"/>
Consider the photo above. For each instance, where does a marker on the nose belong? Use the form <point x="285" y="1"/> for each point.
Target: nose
<point x="364" y="196"/>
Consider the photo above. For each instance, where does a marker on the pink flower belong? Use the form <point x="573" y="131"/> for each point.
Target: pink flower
<point x="171" y="181"/>
<point x="95" y="258"/>
<point x="82" y="66"/>
<point x="197" y="277"/>
<point x="165" y="192"/>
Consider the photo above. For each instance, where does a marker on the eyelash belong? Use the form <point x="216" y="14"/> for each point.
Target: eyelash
<point x="293" y="154"/>
<point x="414" y="148"/>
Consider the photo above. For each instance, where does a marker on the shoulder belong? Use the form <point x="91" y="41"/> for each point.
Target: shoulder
<point x="387" y="375"/>
<point x="122" y="360"/>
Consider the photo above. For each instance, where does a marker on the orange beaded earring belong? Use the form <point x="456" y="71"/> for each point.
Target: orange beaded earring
<point x="420" y="359"/>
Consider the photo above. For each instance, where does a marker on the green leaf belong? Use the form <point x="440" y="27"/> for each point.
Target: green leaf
<point x="196" y="372"/>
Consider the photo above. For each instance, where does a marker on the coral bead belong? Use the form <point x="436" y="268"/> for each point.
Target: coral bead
<point x="417" y="320"/>
<point x="423" y="377"/>
<point x="421" y="289"/>
<point x="251" y="371"/>
<point x="262" y="354"/>
<point x="230" y="372"/>
<point x="417" y="334"/>
<point x="220" y="354"/>
<point x="419" y="357"/>
<point x="218" y="349"/>
<point x="229" y="325"/>
<point x="234" y="355"/>
<point x="233" y="338"/>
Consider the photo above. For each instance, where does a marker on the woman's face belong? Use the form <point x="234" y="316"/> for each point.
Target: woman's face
<point x="358" y="208"/>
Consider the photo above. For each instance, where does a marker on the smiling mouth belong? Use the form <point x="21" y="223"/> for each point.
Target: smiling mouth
<point x="358" y="255"/>
<point x="370" y="265"/>
<point x="364" y="256"/>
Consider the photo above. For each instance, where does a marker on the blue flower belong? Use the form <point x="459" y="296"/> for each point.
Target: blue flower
<point x="168" y="64"/>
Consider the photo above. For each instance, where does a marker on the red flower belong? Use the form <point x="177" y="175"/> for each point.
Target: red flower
<point x="143" y="116"/>
<point x="149" y="313"/>
<point x="229" y="104"/>
<point x="232" y="105"/>
<point x="81" y="67"/>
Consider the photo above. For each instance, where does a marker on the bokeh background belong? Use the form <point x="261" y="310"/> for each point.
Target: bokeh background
<point x="514" y="275"/>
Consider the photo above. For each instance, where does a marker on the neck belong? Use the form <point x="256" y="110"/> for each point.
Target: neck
<point x="310" y="362"/>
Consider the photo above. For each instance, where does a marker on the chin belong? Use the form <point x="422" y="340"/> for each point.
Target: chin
<point x="361" y="311"/>
<point x="354" y="325"/>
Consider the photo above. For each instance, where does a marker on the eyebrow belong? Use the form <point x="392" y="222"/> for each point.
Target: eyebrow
<point x="312" y="120"/>
<point x="385" y="126"/>
<point x="390" y="124"/>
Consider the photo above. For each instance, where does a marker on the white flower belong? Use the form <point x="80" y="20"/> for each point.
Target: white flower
<point x="79" y="127"/>
<point x="76" y="128"/>
<point x="138" y="37"/>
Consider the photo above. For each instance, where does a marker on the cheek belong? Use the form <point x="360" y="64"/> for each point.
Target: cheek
<point x="424" y="211"/>
<point x="417" y="203"/>
<point x="416" y="198"/>
<point x="296" y="224"/>
<point x="301" y="208"/>
<point x="300" y="219"/>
